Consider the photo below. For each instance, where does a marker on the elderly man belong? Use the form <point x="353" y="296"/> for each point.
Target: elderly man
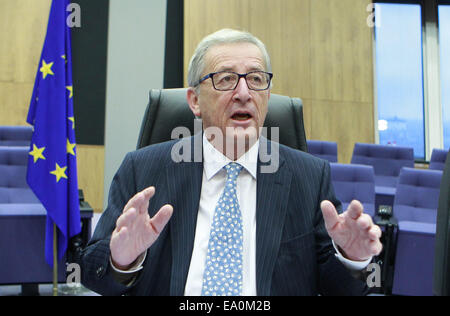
<point x="221" y="226"/>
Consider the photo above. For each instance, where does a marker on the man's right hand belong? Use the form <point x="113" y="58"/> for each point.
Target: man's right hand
<point x="135" y="231"/>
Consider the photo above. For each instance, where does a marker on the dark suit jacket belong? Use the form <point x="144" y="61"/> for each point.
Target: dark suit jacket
<point x="294" y="254"/>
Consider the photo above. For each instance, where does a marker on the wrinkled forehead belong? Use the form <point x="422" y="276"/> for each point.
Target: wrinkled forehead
<point x="238" y="57"/>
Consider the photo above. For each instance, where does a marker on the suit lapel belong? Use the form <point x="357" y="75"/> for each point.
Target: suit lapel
<point x="271" y="204"/>
<point x="184" y="181"/>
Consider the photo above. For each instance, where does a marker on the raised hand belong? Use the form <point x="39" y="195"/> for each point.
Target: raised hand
<point x="135" y="231"/>
<point x="353" y="231"/>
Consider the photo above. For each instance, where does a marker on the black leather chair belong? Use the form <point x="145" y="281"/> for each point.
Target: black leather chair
<point x="168" y="109"/>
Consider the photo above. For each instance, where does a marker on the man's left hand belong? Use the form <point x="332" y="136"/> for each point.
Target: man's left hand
<point x="353" y="231"/>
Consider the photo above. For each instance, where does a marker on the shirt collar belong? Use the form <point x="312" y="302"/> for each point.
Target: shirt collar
<point x="214" y="160"/>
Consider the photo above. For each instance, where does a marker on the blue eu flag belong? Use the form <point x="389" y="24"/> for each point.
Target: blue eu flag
<point x="52" y="168"/>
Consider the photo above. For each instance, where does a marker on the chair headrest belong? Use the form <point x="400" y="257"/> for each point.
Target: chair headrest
<point x="13" y="169"/>
<point x="418" y="188"/>
<point x="384" y="151"/>
<point x="420" y="178"/>
<point x="15" y="135"/>
<point x="14" y="156"/>
<point x="387" y="160"/>
<point x="437" y="160"/>
<point x="168" y="109"/>
<point x="352" y="173"/>
<point x="439" y="155"/>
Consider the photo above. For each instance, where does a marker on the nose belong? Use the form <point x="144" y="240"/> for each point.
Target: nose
<point x="242" y="92"/>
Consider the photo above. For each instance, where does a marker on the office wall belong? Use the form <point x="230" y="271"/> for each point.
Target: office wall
<point x="22" y="31"/>
<point x="321" y="52"/>
<point x="135" y="65"/>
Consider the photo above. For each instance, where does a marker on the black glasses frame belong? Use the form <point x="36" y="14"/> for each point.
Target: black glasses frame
<point x="210" y="75"/>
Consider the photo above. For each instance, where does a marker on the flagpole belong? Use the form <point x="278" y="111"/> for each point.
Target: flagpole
<point x="52" y="162"/>
<point x="55" y="261"/>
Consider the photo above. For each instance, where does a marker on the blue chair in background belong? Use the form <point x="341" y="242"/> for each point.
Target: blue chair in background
<point x="415" y="208"/>
<point x="437" y="160"/>
<point x="323" y="149"/>
<point x="354" y="182"/>
<point x="23" y="224"/>
<point x="15" y="135"/>
<point x="387" y="161"/>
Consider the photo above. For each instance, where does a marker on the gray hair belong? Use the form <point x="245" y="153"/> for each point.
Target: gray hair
<point x="224" y="36"/>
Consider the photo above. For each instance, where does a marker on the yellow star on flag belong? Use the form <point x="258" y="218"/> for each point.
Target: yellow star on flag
<point x="72" y="119"/>
<point x="70" y="88"/>
<point x="59" y="172"/>
<point x="70" y="147"/>
<point x="37" y="153"/>
<point x="46" y="69"/>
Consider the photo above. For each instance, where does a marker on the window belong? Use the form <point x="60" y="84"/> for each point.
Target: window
<point x="399" y="75"/>
<point x="444" y="45"/>
<point x="412" y="69"/>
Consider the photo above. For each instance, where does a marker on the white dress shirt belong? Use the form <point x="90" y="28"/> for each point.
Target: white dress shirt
<point x="213" y="183"/>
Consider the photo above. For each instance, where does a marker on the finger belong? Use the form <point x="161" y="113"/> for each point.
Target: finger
<point x="375" y="247"/>
<point x="330" y="215"/>
<point x="126" y="218"/>
<point x="147" y="194"/>
<point x="140" y="199"/>
<point x="364" y="222"/>
<point x="143" y="198"/>
<point x="121" y="233"/>
<point x="355" y="209"/>
<point x="375" y="232"/>
<point x="161" y="218"/>
<point x="118" y="239"/>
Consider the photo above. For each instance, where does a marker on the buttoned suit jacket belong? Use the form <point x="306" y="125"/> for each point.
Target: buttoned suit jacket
<point x="294" y="254"/>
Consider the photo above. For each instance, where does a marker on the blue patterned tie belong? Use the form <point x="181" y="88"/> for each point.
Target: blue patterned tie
<point x="223" y="270"/>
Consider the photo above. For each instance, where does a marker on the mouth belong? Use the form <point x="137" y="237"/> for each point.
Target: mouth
<point x="241" y="116"/>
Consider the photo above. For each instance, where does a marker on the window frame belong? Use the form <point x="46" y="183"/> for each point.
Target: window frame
<point x="432" y="106"/>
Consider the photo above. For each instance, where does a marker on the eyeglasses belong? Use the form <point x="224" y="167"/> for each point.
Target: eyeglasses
<point x="227" y="80"/>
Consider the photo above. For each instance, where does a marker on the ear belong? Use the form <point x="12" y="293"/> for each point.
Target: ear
<point x="192" y="99"/>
